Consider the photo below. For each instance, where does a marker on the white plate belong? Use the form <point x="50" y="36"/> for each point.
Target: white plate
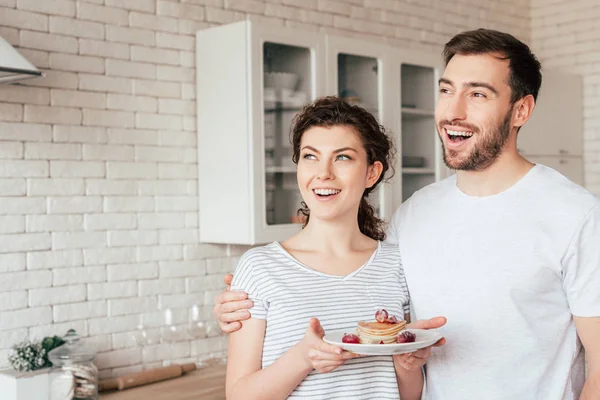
<point x="424" y="338"/>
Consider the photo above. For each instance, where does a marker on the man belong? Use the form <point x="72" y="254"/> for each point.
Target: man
<point x="508" y="251"/>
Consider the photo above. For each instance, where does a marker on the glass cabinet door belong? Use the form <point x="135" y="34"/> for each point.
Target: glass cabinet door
<point x="358" y="83"/>
<point x="288" y="74"/>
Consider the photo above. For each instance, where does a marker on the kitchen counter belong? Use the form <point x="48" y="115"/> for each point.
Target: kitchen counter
<point x="206" y="384"/>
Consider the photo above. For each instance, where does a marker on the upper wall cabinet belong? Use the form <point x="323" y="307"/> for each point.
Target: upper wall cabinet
<point x="252" y="79"/>
<point x="553" y="136"/>
<point x="357" y="72"/>
<point x="419" y="146"/>
<point x="556" y="125"/>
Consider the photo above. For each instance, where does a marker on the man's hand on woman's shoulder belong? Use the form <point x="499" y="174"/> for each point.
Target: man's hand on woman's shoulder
<point x="231" y="307"/>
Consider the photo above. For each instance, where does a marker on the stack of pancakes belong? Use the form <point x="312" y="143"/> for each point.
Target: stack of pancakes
<point x="374" y="332"/>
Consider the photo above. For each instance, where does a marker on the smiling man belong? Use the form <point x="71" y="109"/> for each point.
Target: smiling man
<point x="516" y="266"/>
<point x="507" y="250"/>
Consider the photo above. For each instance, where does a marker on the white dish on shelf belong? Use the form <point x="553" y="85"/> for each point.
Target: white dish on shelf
<point x="281" y="80"/>
<point x="425" y="337"/>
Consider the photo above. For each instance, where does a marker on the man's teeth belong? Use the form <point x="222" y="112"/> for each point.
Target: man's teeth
<point x="326" y="192"/>
<point x="459" y="133"/>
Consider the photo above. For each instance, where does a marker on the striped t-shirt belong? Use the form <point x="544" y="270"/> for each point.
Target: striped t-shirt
<point x="287" y="294"/>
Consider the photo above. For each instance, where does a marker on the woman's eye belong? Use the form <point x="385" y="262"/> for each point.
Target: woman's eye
<point x="309" y="157"/>
<point x="343" y="157"/>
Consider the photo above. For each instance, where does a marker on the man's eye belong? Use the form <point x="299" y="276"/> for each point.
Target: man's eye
<point x="442" y="90"/>
<point x="478" y="94"/>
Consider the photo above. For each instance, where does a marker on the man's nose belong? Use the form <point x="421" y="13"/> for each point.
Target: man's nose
<point x="456" y="109"/>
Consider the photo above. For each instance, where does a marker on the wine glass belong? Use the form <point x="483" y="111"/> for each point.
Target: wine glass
<point x="196" y="327"/>
<point x="147" y="339"/>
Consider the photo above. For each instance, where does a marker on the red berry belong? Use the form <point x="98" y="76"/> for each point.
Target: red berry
<point x="381" y="315"/>
<point x="350" y="338"/>
<point x="381" y="342"/>
<point x="406" y="337"/>
<point x="392" y="319"/>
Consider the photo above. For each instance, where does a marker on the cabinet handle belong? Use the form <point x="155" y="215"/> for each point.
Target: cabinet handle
<point x="561" y="151"/>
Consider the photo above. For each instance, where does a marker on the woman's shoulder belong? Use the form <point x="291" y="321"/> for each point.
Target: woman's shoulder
<point x="389" y="249"/>
<point x="260" y="255"/>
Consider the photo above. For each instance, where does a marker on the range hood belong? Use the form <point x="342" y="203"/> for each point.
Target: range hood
<point x="13" y="66"/>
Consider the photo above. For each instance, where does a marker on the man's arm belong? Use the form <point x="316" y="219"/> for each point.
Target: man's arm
<point x="588" y="329"/>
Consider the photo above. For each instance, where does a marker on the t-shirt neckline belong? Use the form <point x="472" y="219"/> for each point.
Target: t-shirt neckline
<point x="341" y="277"/>
<point x="532" y="171"/>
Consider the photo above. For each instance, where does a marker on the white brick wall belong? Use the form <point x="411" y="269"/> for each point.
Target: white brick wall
<point x="565" y="35"/>
<point x="98" y="207"/>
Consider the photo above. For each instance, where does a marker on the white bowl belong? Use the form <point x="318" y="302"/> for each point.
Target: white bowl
<point x="281" y="80"/>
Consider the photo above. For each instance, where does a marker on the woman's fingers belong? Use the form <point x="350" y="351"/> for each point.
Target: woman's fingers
<point x="327" y="367"/>
<point x="422" y="353"/>
<point x="317" y="355"/>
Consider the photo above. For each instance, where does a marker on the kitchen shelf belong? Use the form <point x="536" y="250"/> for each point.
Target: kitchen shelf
<point x="418" y="171"/>
<point x="416" y="112"/>
<point x="280" y="170"/>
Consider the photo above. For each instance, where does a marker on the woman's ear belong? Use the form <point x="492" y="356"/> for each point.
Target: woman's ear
<point x="373" y="173"/>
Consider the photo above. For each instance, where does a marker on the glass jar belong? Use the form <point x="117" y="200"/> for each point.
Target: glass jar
<point x="74" y="376"/>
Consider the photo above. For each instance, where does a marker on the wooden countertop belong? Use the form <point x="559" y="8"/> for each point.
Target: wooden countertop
<point x="206" y="384"/>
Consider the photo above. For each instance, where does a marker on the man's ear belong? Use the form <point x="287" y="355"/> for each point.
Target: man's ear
<point x="373" y="173"/>
<point x="524" y="108"/>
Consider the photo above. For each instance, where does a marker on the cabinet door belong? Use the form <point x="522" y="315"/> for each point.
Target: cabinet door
<point x="356" y="71"/>
<point x="571" y="167"/>
<point x="556" y="125"/>
<point x="287" y="72"/>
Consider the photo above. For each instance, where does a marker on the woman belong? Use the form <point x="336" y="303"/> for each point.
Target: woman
<point x="336" y="269"/>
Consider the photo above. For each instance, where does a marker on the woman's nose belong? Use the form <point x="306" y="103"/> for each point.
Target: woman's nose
<point x="325" y="171"/>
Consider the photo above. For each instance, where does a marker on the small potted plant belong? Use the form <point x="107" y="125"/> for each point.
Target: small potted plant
<point x="28" y="377"/>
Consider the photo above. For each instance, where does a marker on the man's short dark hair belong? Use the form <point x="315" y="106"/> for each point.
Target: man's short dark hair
<point x="525" y="70"/>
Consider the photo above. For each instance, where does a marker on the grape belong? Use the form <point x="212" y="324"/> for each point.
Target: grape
<point x="381" y="315"/>
<point x="392" y="319"/>
<point x="350" y="338"/>
<point x="406" y="337"/>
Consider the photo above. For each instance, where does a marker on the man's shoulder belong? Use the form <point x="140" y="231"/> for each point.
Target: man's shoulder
<point x="564" y="193"/>
<point x="433" y="191"/>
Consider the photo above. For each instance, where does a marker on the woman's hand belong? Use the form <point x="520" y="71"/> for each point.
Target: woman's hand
<point x="412" y="361"/>
<point x="231" y="308"/>
<point x="319" y="355"/>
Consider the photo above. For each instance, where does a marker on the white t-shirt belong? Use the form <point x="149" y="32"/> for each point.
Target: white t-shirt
<point x="287" y="294"/>
<point x="508" y="271"/>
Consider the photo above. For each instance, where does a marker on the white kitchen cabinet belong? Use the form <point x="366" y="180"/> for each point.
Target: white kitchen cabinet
<point x="252" y="78"/>
<point x="556" y="125"/>
<point x="420" y="152"/>
<point x="571" y="167"/>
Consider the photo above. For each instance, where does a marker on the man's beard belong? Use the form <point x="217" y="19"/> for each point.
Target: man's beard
<point x="485" y="151"/>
